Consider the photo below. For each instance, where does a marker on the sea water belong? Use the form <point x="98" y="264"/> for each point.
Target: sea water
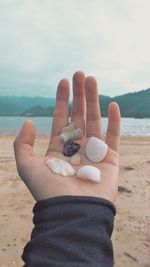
<point x="129" y="126"/>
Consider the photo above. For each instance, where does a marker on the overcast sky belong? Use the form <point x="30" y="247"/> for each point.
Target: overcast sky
<point x="42" y="42"/>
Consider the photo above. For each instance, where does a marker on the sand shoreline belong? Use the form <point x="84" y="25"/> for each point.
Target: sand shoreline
<point x="132" y="224"/>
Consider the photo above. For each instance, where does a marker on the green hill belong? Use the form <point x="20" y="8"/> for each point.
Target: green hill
<point x="38" y="111"/>
<point x="135" y="104"/>
<point x="15" y="106"/>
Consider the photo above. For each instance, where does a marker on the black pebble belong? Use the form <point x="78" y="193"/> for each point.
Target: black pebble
<point x="70" y="148"/>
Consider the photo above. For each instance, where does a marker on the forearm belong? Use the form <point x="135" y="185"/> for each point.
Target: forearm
<point x="71" y="231"/>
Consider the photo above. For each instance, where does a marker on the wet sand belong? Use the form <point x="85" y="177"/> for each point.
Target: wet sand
<point x="131" y="236"/>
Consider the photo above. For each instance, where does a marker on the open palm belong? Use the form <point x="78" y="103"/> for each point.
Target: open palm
<point x="41" y="182"/>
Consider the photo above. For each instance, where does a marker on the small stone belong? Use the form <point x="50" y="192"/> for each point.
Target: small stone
<point x="75" y="159"/>
<point x="96" y="149"/>
<point x="123" y="189"/>
<point x="89" y="172"/>
<point x="60" y="166"/>
<point x="70" y="148"/>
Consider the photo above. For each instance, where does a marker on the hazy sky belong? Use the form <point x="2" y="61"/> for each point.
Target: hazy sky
<point x="44" y="41"/>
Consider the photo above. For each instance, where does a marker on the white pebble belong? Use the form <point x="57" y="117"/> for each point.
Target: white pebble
<point x="90" y="173"/>
<point x="75" y="159"/>
<point x="96" y="149"/>
<point x="60" y="166"/>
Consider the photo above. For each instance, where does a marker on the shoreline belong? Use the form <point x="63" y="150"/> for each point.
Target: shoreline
<point x="47" y="135"/>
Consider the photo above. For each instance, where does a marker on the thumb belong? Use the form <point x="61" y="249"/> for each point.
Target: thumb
<point x="23" y="144"/>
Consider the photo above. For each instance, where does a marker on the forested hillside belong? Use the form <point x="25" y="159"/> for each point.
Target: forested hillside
<point x="131" y="105"/>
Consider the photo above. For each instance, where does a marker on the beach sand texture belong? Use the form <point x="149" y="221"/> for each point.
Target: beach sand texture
<point x="131" y="236"/>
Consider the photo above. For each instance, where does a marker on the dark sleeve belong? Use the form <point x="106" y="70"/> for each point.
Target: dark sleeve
<point x="71" y="231"/>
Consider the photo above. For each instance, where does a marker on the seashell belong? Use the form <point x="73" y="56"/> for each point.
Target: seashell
<point x="90" y="173"/>
<point x="75" y="159"/>
<point x="70" y="127"/>
<point x="70" y="148"/>
<point x="69" y="133"/>
<point x="96" y="149"/>
<point x="60" y="166"/>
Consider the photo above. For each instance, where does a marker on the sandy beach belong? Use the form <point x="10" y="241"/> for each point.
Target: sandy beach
<point x="131" y="236"/>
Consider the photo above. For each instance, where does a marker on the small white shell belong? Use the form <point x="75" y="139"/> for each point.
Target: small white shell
<point x="60" y="166"/>
<point x="75" y="159"/>
<point x="69" y="133"/>
<point x="90" y="173"/>
<point x="96" y="149"/>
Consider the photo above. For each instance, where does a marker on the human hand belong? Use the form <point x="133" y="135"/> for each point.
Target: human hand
<point x="41" y="182"/>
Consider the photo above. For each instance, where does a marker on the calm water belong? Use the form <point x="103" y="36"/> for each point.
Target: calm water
<point x="130" y="126"/>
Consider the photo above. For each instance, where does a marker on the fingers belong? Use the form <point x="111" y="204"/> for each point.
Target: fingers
<point x="78" y="114"/>
<point x="92" y="108"/>
<point x="114" y="124"/>
<point x="61" y="113"/>
<point x="23" y="145"/>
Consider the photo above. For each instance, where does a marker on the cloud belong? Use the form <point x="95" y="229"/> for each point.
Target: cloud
<point x="43" y="41"/>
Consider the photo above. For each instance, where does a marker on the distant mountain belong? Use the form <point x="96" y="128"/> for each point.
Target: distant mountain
<point x="135" y="104"/>
<point x="131" y="105"/>
<point x="15" y="106"/>
<point x="38" y="111"/>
